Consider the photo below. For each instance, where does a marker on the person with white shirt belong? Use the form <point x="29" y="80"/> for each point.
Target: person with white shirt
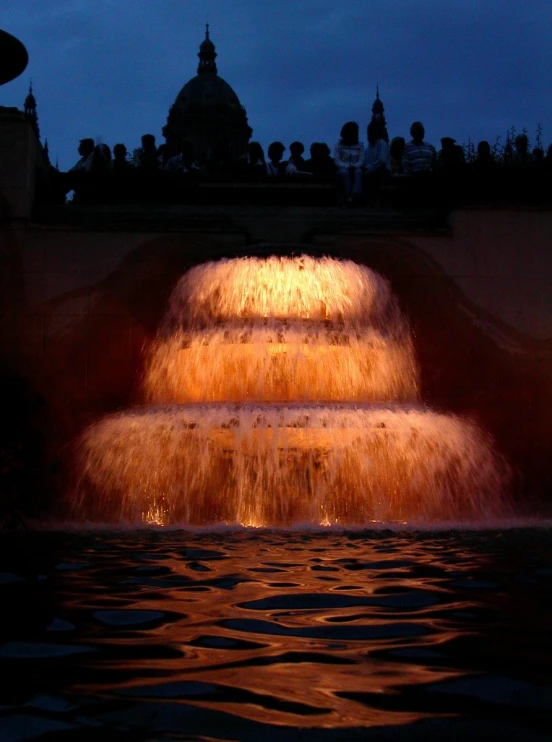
<point x="349" y="160"/>
<point x="376" y="156"/>
<point x="377" y="162"/>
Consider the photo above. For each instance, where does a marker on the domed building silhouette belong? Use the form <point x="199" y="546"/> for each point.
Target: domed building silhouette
<point x="208" y="112"/>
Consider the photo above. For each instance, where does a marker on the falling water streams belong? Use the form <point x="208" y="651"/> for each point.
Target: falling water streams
<point x="283" y="391"/>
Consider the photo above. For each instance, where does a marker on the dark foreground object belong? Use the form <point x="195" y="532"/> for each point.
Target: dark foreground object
<point x="374" y="635"/>
<point x="13" y="57"/>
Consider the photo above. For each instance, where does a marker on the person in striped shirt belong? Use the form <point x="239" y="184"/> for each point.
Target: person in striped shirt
<point x="419" y="156"/>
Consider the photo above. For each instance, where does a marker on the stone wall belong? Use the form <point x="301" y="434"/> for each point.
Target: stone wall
<point x="19" y="149"/>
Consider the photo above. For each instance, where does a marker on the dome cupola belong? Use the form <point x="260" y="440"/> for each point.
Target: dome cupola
<point x="378" y="114"/>
<point x="207" y="55"/>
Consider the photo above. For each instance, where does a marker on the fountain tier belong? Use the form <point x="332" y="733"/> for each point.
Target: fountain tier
<point x="318" y="289"/>
<point x="280" y="363"/>
<point x="277" y="465"/>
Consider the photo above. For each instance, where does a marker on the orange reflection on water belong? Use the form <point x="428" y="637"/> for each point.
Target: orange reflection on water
<point x="242" y="634"/>
<point x="296" y="631"/>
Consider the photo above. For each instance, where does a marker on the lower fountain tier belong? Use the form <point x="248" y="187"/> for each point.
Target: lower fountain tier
<point x="276" y="465"/>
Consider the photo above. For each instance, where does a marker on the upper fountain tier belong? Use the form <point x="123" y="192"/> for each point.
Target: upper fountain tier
<point x="280" y="288"/>
<point x="281" y="329"/>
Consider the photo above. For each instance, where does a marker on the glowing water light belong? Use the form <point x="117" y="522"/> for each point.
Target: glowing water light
<point x="283" y="391"/>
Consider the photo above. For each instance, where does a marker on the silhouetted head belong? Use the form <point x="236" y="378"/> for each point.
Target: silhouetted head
<point x="319" y="151"/>
<point x="255" y="152"/>
<point x="104" y="150"/>
<point x="314" y="150"/>
<point x="148" y="142"/>
<point x="374" y="131"/>
<point x="86" y="146"/>
<point x="448" y="143"/>
<point x="276" y="151"/>
<point x="296" y="149"/>
<point x="349" y="133"/>
<point x="484" y="150"/>
<point x="396" y="147"/>
<point x="119" y="152"/>
<point x="417" y="131"/>
<point x="101" y="159"/>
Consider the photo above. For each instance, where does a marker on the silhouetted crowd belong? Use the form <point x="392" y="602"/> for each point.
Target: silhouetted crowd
<point x="358" y="170"/>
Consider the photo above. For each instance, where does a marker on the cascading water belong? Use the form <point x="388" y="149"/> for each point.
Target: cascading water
<point x="282" y="391"/>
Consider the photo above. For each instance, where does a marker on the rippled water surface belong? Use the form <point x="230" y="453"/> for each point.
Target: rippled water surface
<point x="247" y="635"/>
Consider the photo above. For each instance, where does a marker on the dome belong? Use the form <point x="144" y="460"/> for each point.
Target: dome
<point x="207" y="92"/>
<point x="207" y="111"/>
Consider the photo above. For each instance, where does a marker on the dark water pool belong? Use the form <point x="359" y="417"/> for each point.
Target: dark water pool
<point x="246" y="635"/>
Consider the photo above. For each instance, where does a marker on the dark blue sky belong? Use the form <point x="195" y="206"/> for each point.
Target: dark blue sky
<point x="110" y="69"/>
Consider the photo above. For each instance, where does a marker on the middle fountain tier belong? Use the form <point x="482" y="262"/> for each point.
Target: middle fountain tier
<point x="282" y="391"/>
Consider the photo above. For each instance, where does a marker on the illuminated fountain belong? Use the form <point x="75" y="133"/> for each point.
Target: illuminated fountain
<point x="282" y="391"/>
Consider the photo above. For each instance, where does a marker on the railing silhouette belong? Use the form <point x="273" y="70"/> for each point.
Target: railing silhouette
<point x="440" y="190"/>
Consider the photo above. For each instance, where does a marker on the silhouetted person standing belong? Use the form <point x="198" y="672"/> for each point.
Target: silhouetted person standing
<point x="451" y="156"/>
<point x="485" y="171"/>
<point x="419" y="156"/>
<point x="296" y="163"/>
<point x="376" y="156"/>
<point x="349" y="161"/>
<point x="274" y="166"/>
<point x="320" y="163"/>
<point x="396" y="155"/>
<point x="101" y="160"/>
<point x="86" y="150"/>
<point x="377" y="163"/>
<point x="521" y="155"/>
<point x="121" y="165"/>
<point x="184" y="161"/>
<point x="484" y="164"/>
<point x="253" y="163"/>
<point x="162" y="155"/>
<point x="146" y="155"/>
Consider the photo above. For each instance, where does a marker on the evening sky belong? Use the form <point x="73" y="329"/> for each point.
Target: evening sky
<point x="110" y="69"/>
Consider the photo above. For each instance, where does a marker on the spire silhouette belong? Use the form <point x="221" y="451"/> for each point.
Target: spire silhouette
<point x="29" y="108"/>
<point x="207" y="55"/>
<point x="378" y="114"/>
